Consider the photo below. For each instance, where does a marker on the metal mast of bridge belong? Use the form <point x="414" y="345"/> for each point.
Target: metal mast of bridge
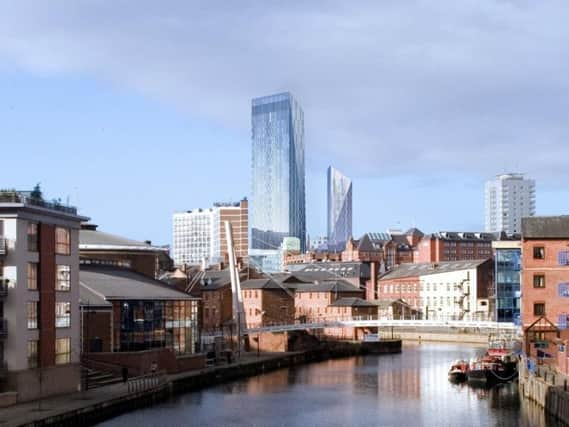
<point x="237" y="299"/>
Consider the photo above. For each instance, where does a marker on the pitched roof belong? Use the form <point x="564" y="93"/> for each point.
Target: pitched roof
<point x="332" y="270"/>
<point x="113" y="283"/>
<point x="90" y="298"/>
<point x="266" y="283"/>
<point x="414" y="232"/>
<point x="352" y="302"/>
<point x="91" y="239"/>
<point x="427" y="268"/>
<point x="328" y="286"/>
<point x="546" y="227"/>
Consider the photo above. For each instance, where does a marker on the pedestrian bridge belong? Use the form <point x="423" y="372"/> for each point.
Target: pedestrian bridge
<point x="363" y="322"/>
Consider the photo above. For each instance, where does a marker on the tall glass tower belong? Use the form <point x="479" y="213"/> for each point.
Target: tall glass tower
<point x="277" y="208"/>
<point x="339" y="209"/>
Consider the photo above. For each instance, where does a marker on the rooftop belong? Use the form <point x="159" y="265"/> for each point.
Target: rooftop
<point x="13" y="198"/>
<point x="114" y="283"/>
<point x="327" y="286"/>
<point x="427" y="268"/>
<point x="92" y="239"/>
<point x="546" y="227"/>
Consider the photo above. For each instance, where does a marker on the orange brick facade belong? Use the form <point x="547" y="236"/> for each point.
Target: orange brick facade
<point x="267" y="306"/>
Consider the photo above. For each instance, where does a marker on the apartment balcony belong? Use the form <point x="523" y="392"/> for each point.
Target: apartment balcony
<point x="3" y="328"/>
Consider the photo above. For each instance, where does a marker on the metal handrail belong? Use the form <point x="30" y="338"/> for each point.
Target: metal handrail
<point x="20" y="197"/>
<point x="146" y="382"/>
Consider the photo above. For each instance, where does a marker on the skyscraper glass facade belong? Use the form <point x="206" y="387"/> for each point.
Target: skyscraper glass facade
<point x="508" y="267"/>
<point x="339" y="209"/>
<point x="277" y="208"/>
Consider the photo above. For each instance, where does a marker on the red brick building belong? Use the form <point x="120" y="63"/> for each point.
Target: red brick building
<point x="266" y="302"/>
<point x="545" y="287"/>
<point x="312" y="301"/>
<point x="454" y="246"/>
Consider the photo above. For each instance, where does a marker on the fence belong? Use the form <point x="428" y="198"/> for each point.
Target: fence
<point x="146" y="382"/>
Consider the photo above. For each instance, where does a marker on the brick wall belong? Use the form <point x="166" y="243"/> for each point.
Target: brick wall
<point x="554" y="275"/>
<point x="217" y="308"/>
<point x="97" y="325"/>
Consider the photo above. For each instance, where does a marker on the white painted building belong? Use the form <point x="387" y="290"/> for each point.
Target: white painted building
<point x="508" y="199"/>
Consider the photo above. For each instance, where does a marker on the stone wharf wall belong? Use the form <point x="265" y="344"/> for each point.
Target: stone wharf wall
<point x="543" y="389"/>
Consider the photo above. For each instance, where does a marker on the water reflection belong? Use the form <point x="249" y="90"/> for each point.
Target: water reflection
<point x="399" y="390"/>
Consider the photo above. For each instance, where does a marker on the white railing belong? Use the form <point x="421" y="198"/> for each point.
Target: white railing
<point x="374" y="321"/>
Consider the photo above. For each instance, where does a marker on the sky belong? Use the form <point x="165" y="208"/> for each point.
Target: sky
<point x="135" y="110"/>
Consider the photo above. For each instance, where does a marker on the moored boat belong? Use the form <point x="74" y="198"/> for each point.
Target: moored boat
<point x="458" y="371"/>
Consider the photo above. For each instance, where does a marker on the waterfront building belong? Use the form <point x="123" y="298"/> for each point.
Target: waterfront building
<point x="100" y="248"/>
<point x="277" y="179"/>
<point x="459" y="290"/>
<point x="509" y="198"/>
<point x="339" y="208"/>
<point x="507" y="259"/>
<point x="39" y="297"/>
<point x="545" y="288"/>
<point x="312" y="300"/>
<point x="454" y="246"/>
<point x="143" y="313"/>
<point x="199" y="235"/>
<point x="266" y="302"/>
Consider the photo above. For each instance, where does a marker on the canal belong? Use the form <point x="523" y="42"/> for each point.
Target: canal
<point x="408" y="389"/>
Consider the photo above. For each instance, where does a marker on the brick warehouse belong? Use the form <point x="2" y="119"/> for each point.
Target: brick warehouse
<point x="545" y="288"/>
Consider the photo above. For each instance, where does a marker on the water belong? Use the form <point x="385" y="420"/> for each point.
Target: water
<point x="409" y="389"/>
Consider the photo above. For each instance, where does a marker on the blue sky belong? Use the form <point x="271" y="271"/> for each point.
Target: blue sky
<point x="136" y="113"/>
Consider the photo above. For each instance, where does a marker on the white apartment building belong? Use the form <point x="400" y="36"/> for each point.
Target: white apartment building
<point x="39" y="298"/>
<point x="509" y="198"/>
<point x="199" y="235"/>
<point x="193" y="237"/>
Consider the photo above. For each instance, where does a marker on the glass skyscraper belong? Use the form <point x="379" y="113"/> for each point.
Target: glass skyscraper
<point x="277" y="208"/>
<point x="339" y="209"/>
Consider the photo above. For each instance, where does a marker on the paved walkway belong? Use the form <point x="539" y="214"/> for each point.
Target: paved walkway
<point x="28" y="413"/>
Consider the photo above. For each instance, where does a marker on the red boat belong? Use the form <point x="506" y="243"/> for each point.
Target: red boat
<point x="458" y="371"/>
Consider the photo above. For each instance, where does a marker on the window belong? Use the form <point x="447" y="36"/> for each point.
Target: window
<point x="32" y="308"/>
<point x="32" y="276"/>
<point x="62" y="314"/>
<point x="32" y="354"/>
<point x="539" y="309"/>
<point x="563" y="258"/>
<point x="539" y="281"/>
<point x="33" y="236"/>
<point x="62" y="241"/>
<point x="538" y="252"/>
<point x="62" y="278"/>
<point x="62" y="351"/>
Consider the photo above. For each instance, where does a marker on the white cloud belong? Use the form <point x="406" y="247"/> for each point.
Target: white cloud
<point x="476" y="86"/>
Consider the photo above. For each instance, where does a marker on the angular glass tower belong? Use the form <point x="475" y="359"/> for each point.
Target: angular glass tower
<point x="277" y="208"/>
<point x="339" y="209"/>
